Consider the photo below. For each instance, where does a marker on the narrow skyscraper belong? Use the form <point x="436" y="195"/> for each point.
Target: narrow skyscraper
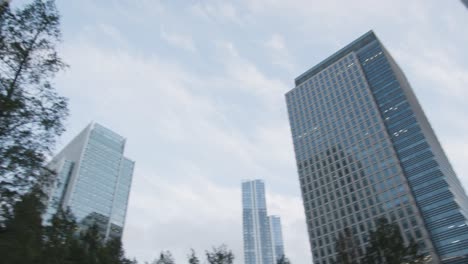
<point x="257" y="237"/>
<point x="276" y="237"/>
<point x="93" y="180"/>
<point x="365" y="150"/>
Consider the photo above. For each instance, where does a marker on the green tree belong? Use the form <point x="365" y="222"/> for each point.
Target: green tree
<point x="133" y="261"/>
<point x="4" y="5"/>
<point x="129" y="261"/>
<point x="164" y="258"/>
<point x="283" y="260"/>
<point x="21" y="236"/>
<point x="220" y="255"/>
<point x="386" y="246"/>
<point x="113" y="253"/>
<point x="347" y="248"/>
<point x="31" y="112"/>
<point x="192" y="257"/>
<point x="92" y="242"/>
<point x="76" y="252"/>
<point x="60" y="238"/>
<point x="91" y="248"/>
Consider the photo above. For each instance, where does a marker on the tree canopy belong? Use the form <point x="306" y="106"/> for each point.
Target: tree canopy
<point x="283" y="260"/>
<point x="165" y="257"/>
<point x="347" y="248"/>
<point x="31" y="111"/>
<point x="386" y="245"/>
<point x="220" y="255"/>
<point x="192" y="257"/>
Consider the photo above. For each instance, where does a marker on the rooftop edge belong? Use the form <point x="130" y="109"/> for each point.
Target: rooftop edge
<point x="356" y="44"/>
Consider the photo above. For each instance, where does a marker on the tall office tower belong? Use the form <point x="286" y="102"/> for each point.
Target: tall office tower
<point x="364" y="149"/>
<point x="257" y="237"/>
<point x="93" y="180"/>
<point x="276" y="237"/>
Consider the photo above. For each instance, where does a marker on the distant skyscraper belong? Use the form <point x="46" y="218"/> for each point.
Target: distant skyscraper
<point x="364" y="149"/>
<point x="276" y="237"/>
<point x="257" y="237"/>
<point x="93" y="180"/>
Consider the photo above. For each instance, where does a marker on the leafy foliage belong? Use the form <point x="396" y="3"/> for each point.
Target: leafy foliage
<point x="31" y="112"/>
<point x="164" y="258"/>
<point x="347" y="248"/>
<point x="283" y="260"/>
<point x="21" y="237"/>
<point x="192" y="257"/>
<point x="386" y="245"/>
<point x="60" y="238"/>
<point x="24" y="239"/>
<point x="220" y="255"/>
<point x="31" y="118"/>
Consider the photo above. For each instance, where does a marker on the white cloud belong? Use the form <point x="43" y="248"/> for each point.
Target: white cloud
<point x="276" y="42"/>
<point x="190" y="155"/>
<point x="111" y="32"/>
<point x="437" y="66"/>
<point x="246" y="76"/>
<point x="330" y="9"/>
<point x="217" y="11"/>
<point x="178" y="40"/>
<point x="194" y="213"/>
<point x="279" y="53"/>
<point x="196" y="127"/>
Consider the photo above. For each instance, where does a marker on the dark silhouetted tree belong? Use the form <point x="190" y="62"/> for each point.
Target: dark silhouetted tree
<point x="4" y="6"/>
<point x="31" y="112"/>
<point x="347" y="248"/>
<point x="22" y="234"/>
<point x="220" y="255"/>
<point x="164" y="258"/>
<point x="113" y="253"/>
<point x="92" y="242"/>
<point x="76" y="252"/>
<point x="59" y="238"/>
<point x="192" y="257"/>
<point x="386" y="245"/>
<point x="283" y="260"/>
<point x="23" y="238"/>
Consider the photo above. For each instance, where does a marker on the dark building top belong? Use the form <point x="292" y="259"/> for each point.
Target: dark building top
<point x="355" y="45"/>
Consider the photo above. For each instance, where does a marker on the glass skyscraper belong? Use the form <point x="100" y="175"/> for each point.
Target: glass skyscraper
<point x="365" y="149"/>
<point x="93" y="180"/>
<point x="262" y="234"/>
<point x="276" y="237"/>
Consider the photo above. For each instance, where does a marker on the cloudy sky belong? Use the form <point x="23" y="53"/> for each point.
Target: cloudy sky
<point x="197" y="87"/>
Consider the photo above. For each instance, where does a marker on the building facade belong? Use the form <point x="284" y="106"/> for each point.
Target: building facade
<point x="365" y="149"/>
<point x="276" y="237"/>
<point x="93" y="180"/>
<point x="256" y="227"/>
